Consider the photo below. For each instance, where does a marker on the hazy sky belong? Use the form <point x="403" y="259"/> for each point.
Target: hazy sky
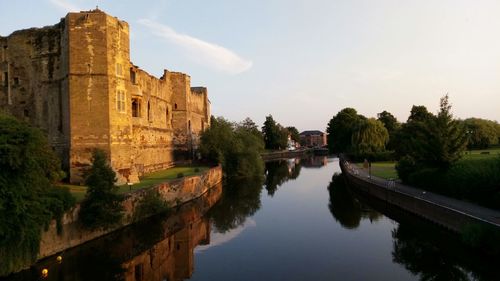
<point x="304" y="60"/>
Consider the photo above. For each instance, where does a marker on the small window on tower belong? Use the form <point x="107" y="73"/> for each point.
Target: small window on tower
<point x="120" y="101"/>
<point x="16" y="81"/>
<point x="119" y="69"/>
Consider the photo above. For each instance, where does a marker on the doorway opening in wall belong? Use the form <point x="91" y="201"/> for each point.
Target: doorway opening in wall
<point x="136" y="107"/>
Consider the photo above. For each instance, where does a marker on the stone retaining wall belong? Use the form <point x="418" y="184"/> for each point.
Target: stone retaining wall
<point x="447" y="217"/>
<point x="174" y="192"/>
<point x="285" y="154"/>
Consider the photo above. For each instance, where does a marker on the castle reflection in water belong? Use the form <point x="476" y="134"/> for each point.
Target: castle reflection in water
<point x="161" y="248"/>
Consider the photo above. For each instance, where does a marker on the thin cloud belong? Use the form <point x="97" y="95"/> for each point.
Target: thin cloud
<point x="65" y="6"/>
<point x="206" y="53"/>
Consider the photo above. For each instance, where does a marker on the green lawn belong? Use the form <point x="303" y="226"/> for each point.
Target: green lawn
<point x="149" y="180"/>
<point x="387" y="170"/>
<point x="482" y="154"/>
<point x="162" y="176"/>
<point x="383" y="170"/>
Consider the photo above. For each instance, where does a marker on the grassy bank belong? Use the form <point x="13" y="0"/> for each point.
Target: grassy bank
<point x="147" y="181"/>
<point x="383" y="170"/>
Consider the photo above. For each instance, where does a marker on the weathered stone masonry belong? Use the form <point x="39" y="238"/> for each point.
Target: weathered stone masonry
<point x="75" y="81"/>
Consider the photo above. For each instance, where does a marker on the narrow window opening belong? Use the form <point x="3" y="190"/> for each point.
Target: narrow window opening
<point x="26" y="113"/>
<point x="120" y="101"/>
<point x="16" y="81"/>
<point x="132" y="76"/>
<point x="119" y="69"/>
<point x="175" y="106"/>
<point x="136" y="108"/>
<point x="166" y="116"/>
<point x="149" y="112"/>
<point x="189" y="125"/>
<point x="202" y="126"/>
<point x="138" y="272"/>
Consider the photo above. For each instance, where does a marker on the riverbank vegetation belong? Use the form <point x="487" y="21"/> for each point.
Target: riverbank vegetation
<point x="236" y="147"/>
<point x="432" y="151"/>
<point x="28" y="198"/>
<point x="101" y="207"/>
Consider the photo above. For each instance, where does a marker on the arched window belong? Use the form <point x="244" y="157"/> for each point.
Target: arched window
<point x="175" y="106"/>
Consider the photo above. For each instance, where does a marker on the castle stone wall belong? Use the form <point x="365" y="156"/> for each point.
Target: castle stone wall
<point x="75" y="81"/>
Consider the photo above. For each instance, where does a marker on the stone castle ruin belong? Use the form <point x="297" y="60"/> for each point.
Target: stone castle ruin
<point x="75" y="81"/>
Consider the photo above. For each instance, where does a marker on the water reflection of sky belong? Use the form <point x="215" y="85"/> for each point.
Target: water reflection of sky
<point x="217" y="238"/>
<point x="296" y="237"/>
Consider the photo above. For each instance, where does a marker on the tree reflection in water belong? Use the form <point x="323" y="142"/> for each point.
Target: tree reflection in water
<point x="280" y="171"/>
<point x="434" y="253"/>
<point x="240" y="199"/>
<point x="345" y="208"/>
<point x="428" y="251"/>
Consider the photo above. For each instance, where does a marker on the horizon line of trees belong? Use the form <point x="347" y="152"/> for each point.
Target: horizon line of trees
<point x="354" y="133"/>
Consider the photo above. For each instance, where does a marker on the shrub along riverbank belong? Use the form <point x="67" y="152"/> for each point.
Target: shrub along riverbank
<point x="475" y="180"/>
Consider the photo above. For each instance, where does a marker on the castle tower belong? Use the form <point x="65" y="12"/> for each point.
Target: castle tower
<point x="98" y="64"/>
<point x="75" y="81"/>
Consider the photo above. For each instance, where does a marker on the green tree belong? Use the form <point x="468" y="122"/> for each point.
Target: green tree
<point x="340" y="129"/>
<point x="369" y="136"/>
<point x="102" y="206"/>
<point x="448" y="138"/>
<point x="429" y="142"/>
<point x="481" y="133"/>
<point x="412" y="138"/>
<point x="236" y="147"/>
<point x="391" y="124"/>
<point x="250" y="126"/>
<point x="275" y="136"/>
<point x="294" y="134"/>
<point x="28" y="199"/>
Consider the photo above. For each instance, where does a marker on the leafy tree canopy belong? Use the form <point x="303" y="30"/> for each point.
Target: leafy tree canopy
<point x="236" y="146"/>
<point x="340" y="129"/>
<point x="275" y="136"/>
<point x="369" y="136"/>
<point x="102" y="206"/>
<point x="294" y="134"/>
<point x="481" y="133"/>
<point x="28" y="200"/>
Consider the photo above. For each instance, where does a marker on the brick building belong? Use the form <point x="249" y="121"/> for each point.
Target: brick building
<point x="75" y="81"/>
<point x="313" y="138"/>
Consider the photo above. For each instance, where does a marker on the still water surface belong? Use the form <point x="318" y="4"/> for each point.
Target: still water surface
<point x="299" y="223"/>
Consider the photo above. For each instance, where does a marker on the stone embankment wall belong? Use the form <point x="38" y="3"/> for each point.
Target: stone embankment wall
<point x="285" y="154"/>
<point x="174" y="192"/>
<point x="449" y="218"/>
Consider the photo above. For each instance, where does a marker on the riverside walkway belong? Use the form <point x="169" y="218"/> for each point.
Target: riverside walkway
<point x="458" y="208"/>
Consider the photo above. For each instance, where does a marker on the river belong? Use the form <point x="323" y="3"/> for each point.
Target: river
<point x="298" y="223"/>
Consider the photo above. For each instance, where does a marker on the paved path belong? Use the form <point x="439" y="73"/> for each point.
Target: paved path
<point x="470" y="209"/>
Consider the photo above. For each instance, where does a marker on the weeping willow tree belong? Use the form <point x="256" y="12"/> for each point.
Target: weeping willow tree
<point x="369" y="136"/>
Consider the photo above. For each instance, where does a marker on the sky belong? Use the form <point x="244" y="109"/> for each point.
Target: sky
<point x="302" y="61"/>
